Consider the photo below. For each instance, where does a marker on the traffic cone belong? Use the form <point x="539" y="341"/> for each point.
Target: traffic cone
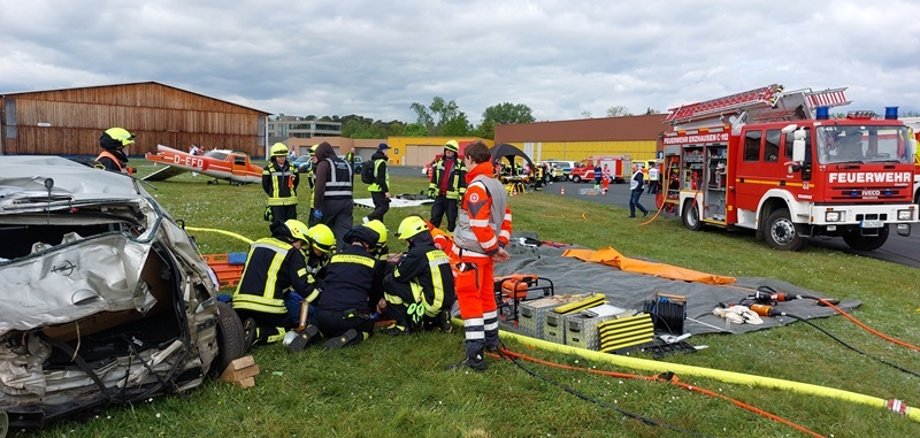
<point x="562" y="191"/>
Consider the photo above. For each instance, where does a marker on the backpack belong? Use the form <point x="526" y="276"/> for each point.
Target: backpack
<point x="367" y="172"/>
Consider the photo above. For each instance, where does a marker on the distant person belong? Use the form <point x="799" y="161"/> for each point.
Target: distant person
<point x="279" y="181"/>
<point x="653" y="178"/>
<point x="447" y="184"/>
<point x="483" y="230"/>
<point x="605" y="179"/>
<point x="598" y="176"/>
<point x="380" y="188"/>
<point x="333" y="203"/>
<point x="113" y="158"/>
<point x="636" y="187"/>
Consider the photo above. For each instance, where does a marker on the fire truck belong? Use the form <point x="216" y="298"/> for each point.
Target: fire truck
<point x="617" y="165"/>
<point x="773" y="161"/>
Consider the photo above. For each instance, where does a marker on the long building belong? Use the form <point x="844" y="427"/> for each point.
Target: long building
<point x="579" y="139"/>
<point x="70" y="121"/>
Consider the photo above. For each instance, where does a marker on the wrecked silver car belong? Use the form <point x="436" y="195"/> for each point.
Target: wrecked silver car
<point x="103" y="297"/>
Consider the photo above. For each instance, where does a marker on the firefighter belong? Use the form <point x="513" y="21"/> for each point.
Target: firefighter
<point x="380" y="188"/>
<point x="113" y="158"/>
<point x="447" y="184"/>
<point x="539" y="176"/>
<point x="332" y="194"/>
<point x="483" y="230"/>
<point x="275" y="283"/>
<point x="636" y="187"/>
<point x="343" y="310"/>
<point x="279" y="181"/>
<point x="311" y="177"/>
<point x="322" y="244"/>
<point x="380" y="252"/>
<point x="420" y="291"/>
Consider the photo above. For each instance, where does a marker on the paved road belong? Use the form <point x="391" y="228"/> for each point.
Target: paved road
<point x="898" y="249"/>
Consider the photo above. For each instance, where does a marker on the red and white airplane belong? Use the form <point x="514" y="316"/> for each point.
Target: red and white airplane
<point x="225" y="164"/>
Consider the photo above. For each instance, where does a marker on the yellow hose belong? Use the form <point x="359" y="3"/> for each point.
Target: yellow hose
<point x="720" y="375"/>
<point x="226" y="233"/>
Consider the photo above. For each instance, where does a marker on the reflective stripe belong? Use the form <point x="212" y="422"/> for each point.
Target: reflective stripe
<point x="436" y="259"/>
<point x="392" y="299"/>
<point x="467" y="253"/>
<point x="472" y="322"/>
<point x="313" y="295"/>
<point x="352" y="258"/>
<point x="489" y="243"/>
<point x="490" y="315"/>
<point x="491" y="326"/>
<point x="508" y="217"/>
<point x="243" y="301"/>
<point x="479" y="222"/>
<point x="301" y="272"/>
<point x="476" y="335"/>
<point x="505" y="234"/>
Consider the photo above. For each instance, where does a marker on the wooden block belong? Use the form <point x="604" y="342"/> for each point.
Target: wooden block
<point x="241" y="362"/>
<point x="248" y="382"/>
<point x="230" y="375"/>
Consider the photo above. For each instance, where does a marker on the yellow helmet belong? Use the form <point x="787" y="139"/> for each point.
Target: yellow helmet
<point x="116" y="138"/>
<point x="322" y="238"/>
<point x="452" y="145"/>
<point x="279" y="150"/>
<point x="297" y="229"/>
<point x="380" y="229"/>
<point x="313" y="148"/>
<point x="411" y="227"/>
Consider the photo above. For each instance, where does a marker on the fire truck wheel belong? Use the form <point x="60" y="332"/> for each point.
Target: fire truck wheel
<point x="576" y="179"/>
<point x="865" y="243"/>
<point x="691" y="216"/>
<point x="780" y="232"/>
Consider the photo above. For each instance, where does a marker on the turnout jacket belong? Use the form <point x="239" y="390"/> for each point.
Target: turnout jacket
<point x="455" y="173"/>
<point x="272" y="268"/>
<point x="348" y="280"/>
<point x="427" y="270"/>
<point x="484" y="220"/>
<point x="280" y="183"/>
<point x="381" y="174"/>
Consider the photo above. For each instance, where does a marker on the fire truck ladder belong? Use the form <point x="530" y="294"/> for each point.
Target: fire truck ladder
<point x="760" y="104"/>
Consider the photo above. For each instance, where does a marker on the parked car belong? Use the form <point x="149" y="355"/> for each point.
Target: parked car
<point x="358" y="164"/>
<point x="303" y="163"/>
<point x="105" y="298"/>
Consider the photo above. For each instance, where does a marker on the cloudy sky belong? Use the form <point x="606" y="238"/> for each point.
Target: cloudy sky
<point x="374" y="58"/>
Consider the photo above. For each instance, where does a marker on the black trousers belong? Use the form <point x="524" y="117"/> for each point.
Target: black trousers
<point x="337" y="214"/>
<point x="270" y="324"/>
<point x="381" y="206"/>
<point x="441" y="206"/>
<point x="281" y="213"/>
<point x="334" y="323"/>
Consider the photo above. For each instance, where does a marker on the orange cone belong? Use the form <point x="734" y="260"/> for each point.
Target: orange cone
<point x="562" y="190"/>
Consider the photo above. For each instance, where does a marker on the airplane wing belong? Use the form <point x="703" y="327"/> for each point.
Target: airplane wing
<point x="164" y="173"/>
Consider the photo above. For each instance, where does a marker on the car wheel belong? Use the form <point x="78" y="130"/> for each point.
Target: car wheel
<point x="780" y="232"/>
<point x="859" y="242"/>
<point x="691" y="216"/>
<point x="576" y="179"/>
<point x="230" y="338"/>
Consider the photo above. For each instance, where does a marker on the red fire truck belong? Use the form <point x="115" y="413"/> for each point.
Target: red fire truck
<point x="617" y="165"/>
<point x="772" y="161"/>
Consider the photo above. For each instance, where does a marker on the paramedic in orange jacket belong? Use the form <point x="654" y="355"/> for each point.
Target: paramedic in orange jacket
<point x="483" y="230"/>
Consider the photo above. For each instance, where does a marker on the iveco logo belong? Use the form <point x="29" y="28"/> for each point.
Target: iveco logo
<point x="867" y="193"/>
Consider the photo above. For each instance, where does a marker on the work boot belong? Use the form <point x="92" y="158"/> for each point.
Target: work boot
<point x="250" y="333"/>
<point x="342" y="340"/>
<point x="303" y="339"/>
<point x="476" y="363"/>
<point x="395" y="330"/>
<point x="442" y="322"/>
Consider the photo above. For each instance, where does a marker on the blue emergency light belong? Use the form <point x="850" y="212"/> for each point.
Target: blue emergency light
<point x="822" y="112"/>
<point x="891" y="113"/>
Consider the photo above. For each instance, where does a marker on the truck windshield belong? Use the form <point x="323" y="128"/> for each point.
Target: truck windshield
<point x="864" y="144"/>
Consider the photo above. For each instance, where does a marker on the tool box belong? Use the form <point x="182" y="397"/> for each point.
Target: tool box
<point x="554" y="325"/>
<point x="533" y="313"/>
<point x="581" y="329"/>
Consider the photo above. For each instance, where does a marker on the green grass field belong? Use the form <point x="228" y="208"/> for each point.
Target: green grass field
<point x="397" y="386"/>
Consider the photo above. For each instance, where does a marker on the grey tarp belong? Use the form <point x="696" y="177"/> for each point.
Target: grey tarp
<point x="629" y="290"/>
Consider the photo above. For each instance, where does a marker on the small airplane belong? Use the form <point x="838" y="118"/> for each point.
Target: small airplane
<point x="219" y="164"/>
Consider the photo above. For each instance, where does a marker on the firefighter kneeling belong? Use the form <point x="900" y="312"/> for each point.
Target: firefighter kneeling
<point x="420" y="290"/>
<point x="275" y="283"/>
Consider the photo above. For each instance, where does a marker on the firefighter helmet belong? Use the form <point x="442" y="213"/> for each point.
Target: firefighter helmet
<point x="322" y="238"/>
<point x="296" y="229"/>
<point x="411" y="227"/>
<point x="116" y="138"/>
<point x="452" y="146"/>
<point x="279" y="150"/>
<point x="380" y="229"/>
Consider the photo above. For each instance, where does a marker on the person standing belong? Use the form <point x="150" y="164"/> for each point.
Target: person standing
<point x="606" y="177"/>
<point x="483" y="230"/>
<point x="419" y="292"/>
<point x="598" y="175"/>
<point x="279" y="182"/>
<point x="113" y="158"/>
<point x="636" y="187"/>
<point x="653" y="177"/>
<point x="332" y="194"/>
<point x="380" y="188"/>
<point x="446" y="185"/>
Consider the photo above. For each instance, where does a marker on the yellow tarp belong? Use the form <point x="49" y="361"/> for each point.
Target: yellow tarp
<point x="612" y="257"/>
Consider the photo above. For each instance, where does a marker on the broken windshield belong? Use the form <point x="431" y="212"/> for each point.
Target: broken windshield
<point x="863" y="144"/>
